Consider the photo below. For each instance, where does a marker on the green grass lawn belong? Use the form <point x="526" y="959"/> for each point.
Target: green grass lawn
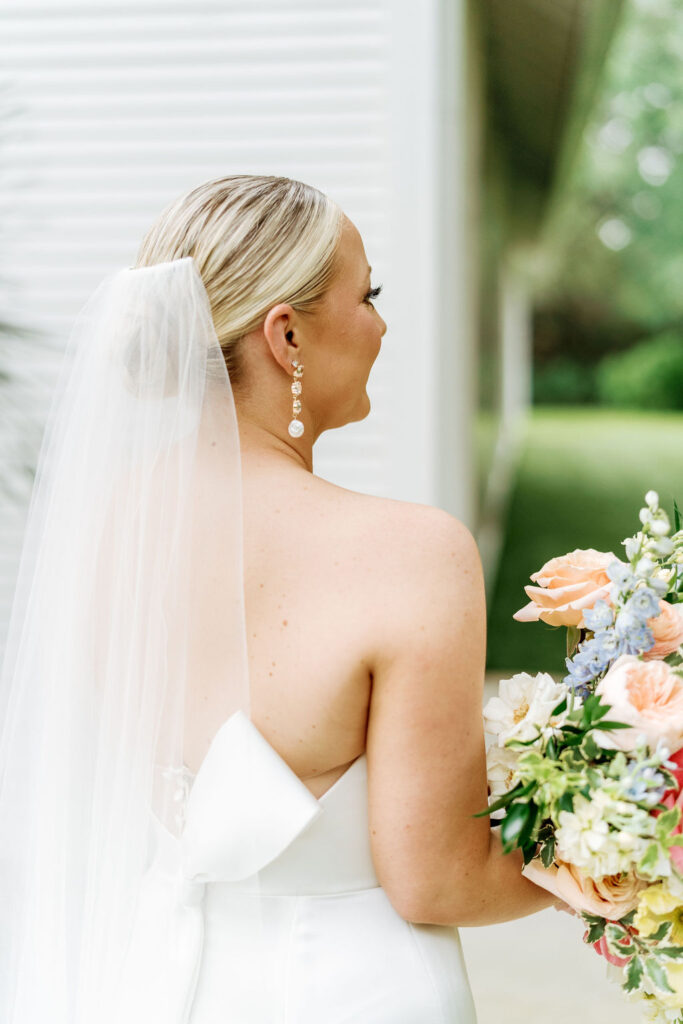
<point x="580" y="483"/>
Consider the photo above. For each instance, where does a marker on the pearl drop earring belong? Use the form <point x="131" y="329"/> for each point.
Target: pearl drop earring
<point x="296" y="427"/>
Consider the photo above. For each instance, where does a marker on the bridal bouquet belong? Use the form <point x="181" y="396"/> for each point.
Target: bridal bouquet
<point x="586" y="774"/>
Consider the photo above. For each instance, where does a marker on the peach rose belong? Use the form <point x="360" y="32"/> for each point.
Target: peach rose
<point x="566" y="586"/>
<point x="610" y="897"/>
<point x="668" y="630"/>
<point x="647" y="695"/>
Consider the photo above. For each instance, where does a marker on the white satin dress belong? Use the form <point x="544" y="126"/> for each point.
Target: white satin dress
<point x="268" y="909"/>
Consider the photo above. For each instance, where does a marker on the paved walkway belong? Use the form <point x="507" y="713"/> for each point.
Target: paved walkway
<point x="537" y="970"/>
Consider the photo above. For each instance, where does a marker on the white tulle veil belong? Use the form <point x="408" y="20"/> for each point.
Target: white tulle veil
<point x="126" y="646"/>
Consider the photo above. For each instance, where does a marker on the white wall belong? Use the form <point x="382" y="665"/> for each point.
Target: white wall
<point x="122" y="107"/>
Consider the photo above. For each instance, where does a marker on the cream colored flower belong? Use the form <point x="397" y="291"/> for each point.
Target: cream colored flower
<point x="659" y="903"/>
<point x="523" y="707"/>
<point x="584" y="838"/>
<point x="500" y="767"/>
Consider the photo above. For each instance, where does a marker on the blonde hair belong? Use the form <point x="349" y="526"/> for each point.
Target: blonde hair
<point x="257" y="240"/>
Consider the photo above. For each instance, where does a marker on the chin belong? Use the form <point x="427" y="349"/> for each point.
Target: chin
<point x="359" y="412"/>
<point x="363" y="408"/>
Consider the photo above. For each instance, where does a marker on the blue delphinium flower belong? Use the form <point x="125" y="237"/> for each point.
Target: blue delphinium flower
<point x="639" y="640"/>
<point x="582" y="690"/>
<point x="592" y="653"/>
<point x="579" y="673"/>
<point x="599" y="617"/>
<point x="643" y="602"/>
<point x="610" y="644"/>
<point x="592" y="657"/>
<point x="627" y="622"/>
<point x="644" y="784"/>
<point x="620" y="573"/>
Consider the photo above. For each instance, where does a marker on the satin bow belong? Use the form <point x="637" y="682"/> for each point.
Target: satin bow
<point x="245" y="807"/>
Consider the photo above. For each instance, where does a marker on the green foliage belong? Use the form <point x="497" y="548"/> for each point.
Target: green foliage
<point x="634" y="975"/>
<point x="581" y="474"/>
<point x="596" y="927"/>
<point x="564" y="381"/>
<point x="647" y="376"/>
<point x="615" y="232"/>
<point x="546" y="781"/>
<point x="657" y="974"/>
<point x="646" y="958"/>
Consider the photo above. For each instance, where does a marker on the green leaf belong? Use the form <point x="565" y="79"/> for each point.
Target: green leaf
<point x="611" y="725"/>
<point x="648" y="860"/>
<point x="498" y="804"/>
<point x="573" y="639"/>
<point x="672" y="952"/>
<point x="514" y="824"/>
<point x="590" y="749"/>
<point x="661" y="933"/>
<point x="657" y="975"/>
<point x="529" y="851"/>
<point x="548" y="852"/>
<point x="614" y="931"/>
<point x="627" y="919"/>
<point x="562" y="706"/>
<point x="634" y="975"/>
<point x="566" y="802"/>
<point x="677" y="517"/>
<point x="518" y="793"/>
<point x="667" y="821"/>
<point x="594" y="709"/>
<point x="596" y="930"/>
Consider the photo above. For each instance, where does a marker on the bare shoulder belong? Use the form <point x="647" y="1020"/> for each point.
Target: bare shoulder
<point x="405" y="532"/>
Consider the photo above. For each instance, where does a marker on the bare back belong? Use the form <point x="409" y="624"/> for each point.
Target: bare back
<point x="312" y="598"/>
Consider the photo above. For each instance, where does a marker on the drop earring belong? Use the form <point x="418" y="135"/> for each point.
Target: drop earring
<point x="296" y="427"/>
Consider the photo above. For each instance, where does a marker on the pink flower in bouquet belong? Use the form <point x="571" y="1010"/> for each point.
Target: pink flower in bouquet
<point x="610" y="897"/>
<point x="647" y="695"/>
<point x="677" y="772"/>
<point x="602" y="948"/>
<point x="668" y="630"/>
<point x="674" y="798"/>
<point x="567" y="585"/>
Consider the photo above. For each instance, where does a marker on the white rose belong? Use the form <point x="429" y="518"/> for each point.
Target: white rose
<point x="500" y="766"/>
<point x="523" y="707"/>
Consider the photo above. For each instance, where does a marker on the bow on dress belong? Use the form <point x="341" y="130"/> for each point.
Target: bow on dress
<point x="245" y="807"/>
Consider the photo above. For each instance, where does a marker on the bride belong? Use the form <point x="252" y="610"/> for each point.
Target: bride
<point x="242" y="742"/>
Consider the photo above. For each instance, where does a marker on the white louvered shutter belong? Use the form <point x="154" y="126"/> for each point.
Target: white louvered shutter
<point x="120" y="108"/>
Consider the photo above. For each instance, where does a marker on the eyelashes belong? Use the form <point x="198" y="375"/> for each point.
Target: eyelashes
<point x="373" y="293"/>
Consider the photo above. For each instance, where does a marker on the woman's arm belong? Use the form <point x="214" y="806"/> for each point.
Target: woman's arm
<point x="425" y="745"/>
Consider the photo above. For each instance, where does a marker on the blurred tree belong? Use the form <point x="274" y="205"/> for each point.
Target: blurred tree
<point x="617" y="266"/>
<point x="648" y="376"/>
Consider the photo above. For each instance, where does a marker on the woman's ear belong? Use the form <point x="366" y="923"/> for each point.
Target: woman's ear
<point x="280" y="331"/>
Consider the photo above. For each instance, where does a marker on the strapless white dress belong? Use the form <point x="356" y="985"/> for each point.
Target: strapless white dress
<point x="268" y="909"/>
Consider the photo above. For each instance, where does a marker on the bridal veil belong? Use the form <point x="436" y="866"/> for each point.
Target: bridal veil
<point x="126" y="647"/>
